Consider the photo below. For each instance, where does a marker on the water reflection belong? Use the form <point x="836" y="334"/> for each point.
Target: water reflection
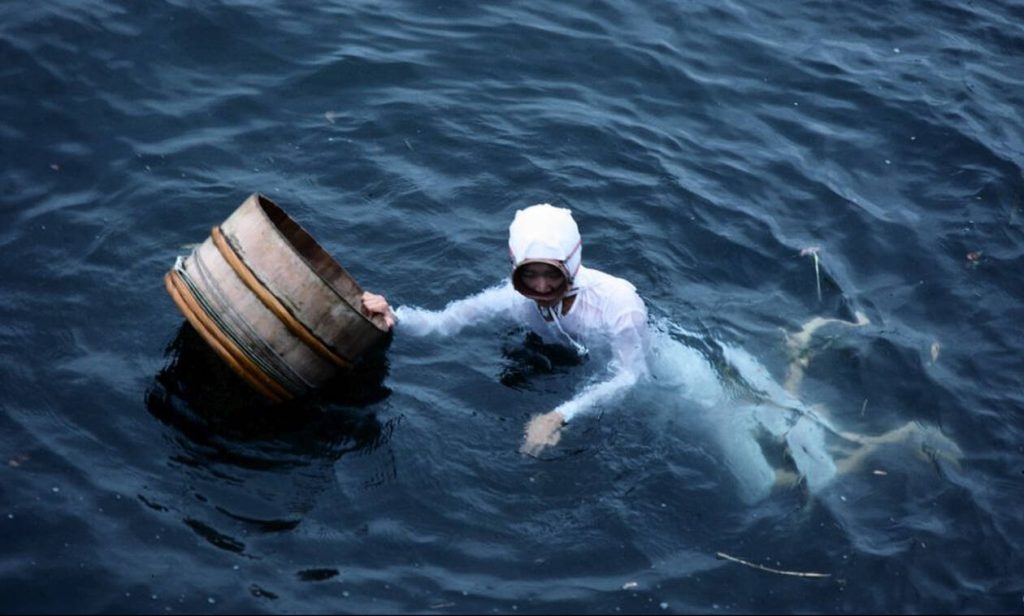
<point x="251" y="468"/>
<point x="203" y="400"/>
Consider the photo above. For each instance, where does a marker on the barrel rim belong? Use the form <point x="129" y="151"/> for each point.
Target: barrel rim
<point x="262" y="202"/>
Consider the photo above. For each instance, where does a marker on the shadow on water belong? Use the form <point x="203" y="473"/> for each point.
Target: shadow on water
<point x="203" y="400"/>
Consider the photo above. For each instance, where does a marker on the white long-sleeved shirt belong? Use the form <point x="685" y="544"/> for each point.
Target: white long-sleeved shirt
<point x="607" y="310"/>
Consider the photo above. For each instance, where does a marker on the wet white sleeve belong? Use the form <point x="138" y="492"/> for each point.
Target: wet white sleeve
<point x="494" y="303"/>
<point x="628" y="364"/>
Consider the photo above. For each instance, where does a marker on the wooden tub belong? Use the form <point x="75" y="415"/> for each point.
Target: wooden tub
<point x="279" y="310"/>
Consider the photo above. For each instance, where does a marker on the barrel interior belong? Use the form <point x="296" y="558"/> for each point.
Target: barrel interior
<point x="318" y="259"/>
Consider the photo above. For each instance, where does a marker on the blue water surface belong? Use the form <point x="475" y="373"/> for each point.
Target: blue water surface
<point x="703" y="146"/>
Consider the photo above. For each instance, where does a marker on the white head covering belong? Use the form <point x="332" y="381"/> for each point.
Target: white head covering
<point x="547" y="234"/>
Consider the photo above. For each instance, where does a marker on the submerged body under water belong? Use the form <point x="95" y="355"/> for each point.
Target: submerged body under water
<point x="729" y="396"/>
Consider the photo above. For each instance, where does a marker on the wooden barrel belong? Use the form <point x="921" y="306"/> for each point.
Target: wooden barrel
<point x="279" y="310"/>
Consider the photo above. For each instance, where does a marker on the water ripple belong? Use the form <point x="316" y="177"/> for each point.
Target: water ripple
<point x="704" y="147"/>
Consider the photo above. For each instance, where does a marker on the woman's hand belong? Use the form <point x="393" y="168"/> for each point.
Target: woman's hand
<point x="377" y="306"/>
<point x="542" y="431"/>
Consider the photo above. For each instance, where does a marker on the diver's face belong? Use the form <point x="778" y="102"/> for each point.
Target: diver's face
<point x="541" y="278"/>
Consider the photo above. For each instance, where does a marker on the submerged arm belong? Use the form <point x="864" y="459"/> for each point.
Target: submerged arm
<point x="628" y="364"/>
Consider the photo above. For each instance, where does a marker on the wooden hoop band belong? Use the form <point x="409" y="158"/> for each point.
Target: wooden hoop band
<point x="272" y="303"/>
<point x="228" y="351"/>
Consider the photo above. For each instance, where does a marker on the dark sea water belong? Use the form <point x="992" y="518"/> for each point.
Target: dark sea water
<point x="702" y="145"/>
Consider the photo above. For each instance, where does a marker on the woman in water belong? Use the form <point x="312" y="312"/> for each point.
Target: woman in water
<point x="556" y="297"/>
